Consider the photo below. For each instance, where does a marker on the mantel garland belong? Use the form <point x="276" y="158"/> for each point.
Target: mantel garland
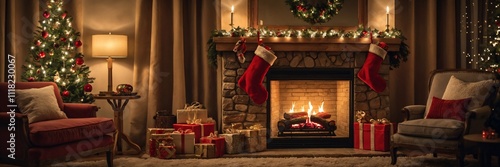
<point x="314" y="13"/>
<point x="395" y="57"/>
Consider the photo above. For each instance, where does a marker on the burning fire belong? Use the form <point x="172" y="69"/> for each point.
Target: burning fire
<point x="310" y="112"/>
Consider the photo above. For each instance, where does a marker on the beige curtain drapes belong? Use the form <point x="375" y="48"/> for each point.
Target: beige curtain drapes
<point x="171" y="66"/>
<point x="430" y="28"/>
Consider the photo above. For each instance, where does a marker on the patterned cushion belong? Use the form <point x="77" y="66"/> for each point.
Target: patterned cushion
<point x="432" y="128"/>
<point x="478" y="91"/>
<point x="54" y="132"/>
<point x="448" y="109"/>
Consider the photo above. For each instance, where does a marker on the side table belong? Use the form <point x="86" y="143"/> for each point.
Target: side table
<point x="486" y="147"/>
<point x="118" y="107"/>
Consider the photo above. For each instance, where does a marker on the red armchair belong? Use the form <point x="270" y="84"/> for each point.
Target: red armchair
<point x="46" y="142"/>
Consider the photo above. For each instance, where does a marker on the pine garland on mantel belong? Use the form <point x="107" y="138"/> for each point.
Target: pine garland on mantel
<point x="361" y="32"/>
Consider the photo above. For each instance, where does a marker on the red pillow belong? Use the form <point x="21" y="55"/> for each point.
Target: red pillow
<point x="448" y="109"/>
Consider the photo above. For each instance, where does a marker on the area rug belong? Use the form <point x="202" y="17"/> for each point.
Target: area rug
<point x="418" y="161"/>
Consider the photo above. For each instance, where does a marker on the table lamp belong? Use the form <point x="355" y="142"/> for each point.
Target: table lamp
<point x="109" y="46"/>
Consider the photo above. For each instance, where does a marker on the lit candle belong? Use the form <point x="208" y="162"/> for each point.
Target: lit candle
<point x="232" y="12"/>
<point x="387" y="13"/>
<point x="261" y="23"/>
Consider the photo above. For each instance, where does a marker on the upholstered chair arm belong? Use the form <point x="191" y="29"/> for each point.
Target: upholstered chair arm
<point x="475" y="119"/>
<point x="412" y="112"/>
<point x="80" y="110"/>
<point x="14" y="127"/>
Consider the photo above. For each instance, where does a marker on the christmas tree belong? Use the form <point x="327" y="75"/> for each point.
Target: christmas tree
<point x="489" y="60"/>
<point x="54" y="56"/>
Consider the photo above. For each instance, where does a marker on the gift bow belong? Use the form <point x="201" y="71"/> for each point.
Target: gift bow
<point x="212" y="135"/>
<point x="231" y="131"/>
<point x="167" y="142"/>
<point x="380" y="121"/>
<point x="210" y="120"/>
<point x="194" y="105"/>
<point x="193" y="121"/>
<point x="360" y="116"/>
<point x="181" y="131"/>
<point x="256" y="127"/>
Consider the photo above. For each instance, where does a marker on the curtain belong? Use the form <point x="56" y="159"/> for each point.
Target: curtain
<point x="430" y="27"/>
<point x="171" y="65"/>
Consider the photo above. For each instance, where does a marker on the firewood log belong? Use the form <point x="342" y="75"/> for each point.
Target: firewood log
<point x="289" y="116"/>
<point x="323" y="115"/>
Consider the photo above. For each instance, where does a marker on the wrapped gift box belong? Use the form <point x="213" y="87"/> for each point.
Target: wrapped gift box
<point x="183" y="141"/>
<point x="376" y="137"/>
<point x="199" y="130"/>
<point x="234" y="142"/>
<point x="253" y="141"/>
<point x="219" y="143"/>
<point x="205" y="150"/>
<point x="166" y="152"/>
<point x="155" y="141"/>
<point x="155" y="131"/>
<point x="185" y="115"/>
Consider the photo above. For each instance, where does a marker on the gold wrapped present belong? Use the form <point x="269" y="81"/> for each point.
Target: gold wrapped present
<point x="155" y="131"/>
<point x="234" y="142"/>
<point x="254" y="142"/>
<point x="192" y="113"/>
<point x="204" y="150"/>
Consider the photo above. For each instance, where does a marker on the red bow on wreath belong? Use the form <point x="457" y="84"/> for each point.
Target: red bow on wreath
<point x="240" y="48"/>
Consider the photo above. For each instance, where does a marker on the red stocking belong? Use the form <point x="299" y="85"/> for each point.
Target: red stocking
<point x="369" y="71"/>
<point x="251" y="80"/>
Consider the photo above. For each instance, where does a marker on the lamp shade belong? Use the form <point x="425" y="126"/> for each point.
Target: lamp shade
<point x="108" y="45"/>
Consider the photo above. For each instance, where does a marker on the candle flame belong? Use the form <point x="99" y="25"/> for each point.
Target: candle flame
<point x="232" y="9"/>
<point x="387" y="9"/>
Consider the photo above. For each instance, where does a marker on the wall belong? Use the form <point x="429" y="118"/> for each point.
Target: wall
<point x="102" y="17"/>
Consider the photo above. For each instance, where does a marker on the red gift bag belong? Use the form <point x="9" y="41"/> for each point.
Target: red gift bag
<point x="374" y="137"/>
<point x="220" y="143"/>
<point x="199" y="130"/>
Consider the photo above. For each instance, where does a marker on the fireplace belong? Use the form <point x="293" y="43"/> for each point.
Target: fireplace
<point x="326" y="70"/>
<point x="310" y="107"/>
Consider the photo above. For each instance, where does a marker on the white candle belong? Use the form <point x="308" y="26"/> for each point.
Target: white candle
<point x="387" y="13"/>
<point x="261" y="23"/>
<point x="232" y="12"/>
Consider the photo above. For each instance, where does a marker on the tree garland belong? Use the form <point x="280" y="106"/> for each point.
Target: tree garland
<point x="315" y="13"/>
<point x="395" y="58"/>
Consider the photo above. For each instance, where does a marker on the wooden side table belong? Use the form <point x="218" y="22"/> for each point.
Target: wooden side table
<point x="118" y="107"/>
<point x="486" y="147"/>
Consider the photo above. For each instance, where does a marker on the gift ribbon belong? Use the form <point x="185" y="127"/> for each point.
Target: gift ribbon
<point x="360" y="136"/>
<point x="372" y="135"/>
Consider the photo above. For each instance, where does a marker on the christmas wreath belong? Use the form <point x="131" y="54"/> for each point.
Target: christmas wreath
<point x="317" y="11"/>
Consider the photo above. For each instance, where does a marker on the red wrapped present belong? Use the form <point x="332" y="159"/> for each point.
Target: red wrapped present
<point x="155" y="141"/>
<point x="149" y="134"/>
<point x="183" y="141"/>
<point x="376" y="137"/>
<point x="220" y="143"/>
<point x="199" y="130"/>
<point x="166" y="151"/>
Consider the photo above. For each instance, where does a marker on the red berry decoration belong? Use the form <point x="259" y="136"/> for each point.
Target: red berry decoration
<point x="64" y="14"/>
<point x="45" y="34"/>
<point x="65" y="93"/>
<point x="46" y="14"/>
<point x="78" y="43"/>
<point x="41" y="54"/>
<point x="79" y="61"/>
<point x="31" y="79"/>
<point x="87" y="88"/>
<point x="63" y="39"/>
<point x="38" y="43"/>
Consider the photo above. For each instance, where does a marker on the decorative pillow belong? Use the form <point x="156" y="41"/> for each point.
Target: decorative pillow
<point x="448" y="109"/>
<point x="477" y="91"/>
<point x="40" y="104"/>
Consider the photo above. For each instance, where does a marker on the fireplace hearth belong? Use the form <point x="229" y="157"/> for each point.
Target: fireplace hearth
<point x="308" y="74"/>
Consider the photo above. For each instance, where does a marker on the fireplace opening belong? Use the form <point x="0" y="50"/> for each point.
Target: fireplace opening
<point x="310" y="108"/>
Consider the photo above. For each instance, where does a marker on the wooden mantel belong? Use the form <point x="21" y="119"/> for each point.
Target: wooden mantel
<point x="307" y="44"/>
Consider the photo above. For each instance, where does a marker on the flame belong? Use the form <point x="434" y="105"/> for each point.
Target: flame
<point x="309" y="111"/>
<point x="320" y="109"/>
<point x="293" y="106"/>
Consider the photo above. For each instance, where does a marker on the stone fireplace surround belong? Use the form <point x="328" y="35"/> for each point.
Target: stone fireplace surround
<point x="238" y="109"/>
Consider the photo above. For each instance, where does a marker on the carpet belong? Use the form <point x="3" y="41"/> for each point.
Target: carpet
<point x="417" y="161"/>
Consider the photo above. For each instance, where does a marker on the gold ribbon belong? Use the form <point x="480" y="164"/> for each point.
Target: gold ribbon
<point x="256" y="127"/>
<point x="360" y="116"/>
<point x="193" y="121"/>
<point x="380" y="121"/>
<point x="181" y="131"/>
<point x="210" y="120"/>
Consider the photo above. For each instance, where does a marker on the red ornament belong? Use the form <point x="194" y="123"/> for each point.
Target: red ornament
<point x="63" y="39"/>
<point x="65" y="93"/>
<point x="38" y="43"/>
<point x="364" y="33"/>
<point x="46" y="14"/>
<point x="45" y="34"/>
<point x="41" y="54"/>
<point x="87" y="88"/>
<point x="64" y="14"/>
<point x="78" y="43"/>
<point x="31" y="79"/>
<point x="79" y="61"/>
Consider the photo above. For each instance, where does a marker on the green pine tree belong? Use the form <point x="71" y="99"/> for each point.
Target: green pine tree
<point x="54" y="56"/>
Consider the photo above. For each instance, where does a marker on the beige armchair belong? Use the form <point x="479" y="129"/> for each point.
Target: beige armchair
<point x="445" y="135"/>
